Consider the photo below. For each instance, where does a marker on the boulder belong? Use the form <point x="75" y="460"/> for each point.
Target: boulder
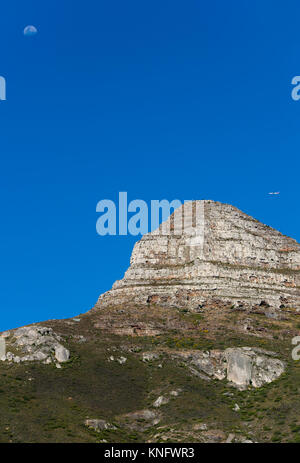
<point x="61" y="354"/>
<point x="161" y="400"/>
<point x="249" y="366"/>
<point x="140" y="419"/>
<point x="98" y="424"/>
<point x="150" y="356"/>
<point x="239" y="367"/>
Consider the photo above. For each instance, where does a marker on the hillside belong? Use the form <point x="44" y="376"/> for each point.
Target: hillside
<point x="165" y="357"/>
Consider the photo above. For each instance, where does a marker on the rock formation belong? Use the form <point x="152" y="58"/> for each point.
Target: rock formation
<point x="241" y="366"/>
<point x="208" y="252"/>
<point x="35" y="343"/>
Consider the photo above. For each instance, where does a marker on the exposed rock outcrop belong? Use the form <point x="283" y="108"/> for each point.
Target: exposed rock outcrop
<point x="220" y="254"/>
<point x="161" y="400"/>
<point x="140" y="419"/>
<point x="98" y="424"/>
<point x="38" y="343"/>
<point x="243" y="367"/>
<point x="150" y="356"/>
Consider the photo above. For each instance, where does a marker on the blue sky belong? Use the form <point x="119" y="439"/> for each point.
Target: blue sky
<point x="162" y="99"/>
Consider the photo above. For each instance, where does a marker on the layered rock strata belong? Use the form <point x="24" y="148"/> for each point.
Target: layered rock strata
<point x="209" y="252"/>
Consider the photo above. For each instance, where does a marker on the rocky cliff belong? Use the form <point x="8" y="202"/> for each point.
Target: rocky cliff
<point x="208" y="252"/>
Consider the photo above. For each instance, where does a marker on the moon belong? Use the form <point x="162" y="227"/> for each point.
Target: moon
<point x="29" y="31"/>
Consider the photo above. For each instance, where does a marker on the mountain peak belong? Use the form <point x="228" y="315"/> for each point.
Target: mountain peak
<point x="207" y="252"/>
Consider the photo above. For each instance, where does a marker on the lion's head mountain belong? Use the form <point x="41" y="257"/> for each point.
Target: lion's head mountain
<point x="238" y="260"/>
<point x="193" y="344"/>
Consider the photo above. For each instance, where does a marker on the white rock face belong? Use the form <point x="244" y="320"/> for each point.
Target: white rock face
<point x="36" y="343"/>
<point x="239" y="367"/>
<point x="2" y="348"/>
<point x="161" y="400"/>
<point x="226" y="256"/>
<point x="243" y="367"/>
<point x="150" y="356"/>
<point x="175" y="393"/>
<point x="98" y="425"/>
<point x="61" y="354"/>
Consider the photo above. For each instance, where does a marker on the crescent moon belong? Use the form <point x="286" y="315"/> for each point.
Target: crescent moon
<point x="30" y="31"/>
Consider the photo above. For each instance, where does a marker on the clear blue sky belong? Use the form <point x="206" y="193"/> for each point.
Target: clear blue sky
<point x="162" y="99"/>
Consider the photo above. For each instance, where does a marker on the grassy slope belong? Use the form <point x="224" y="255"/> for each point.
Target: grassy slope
<point x="40" y="403"/>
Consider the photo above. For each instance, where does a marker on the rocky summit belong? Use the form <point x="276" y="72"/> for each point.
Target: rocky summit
<point x="236" y="260"/>
<point x="194" y="344"/>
